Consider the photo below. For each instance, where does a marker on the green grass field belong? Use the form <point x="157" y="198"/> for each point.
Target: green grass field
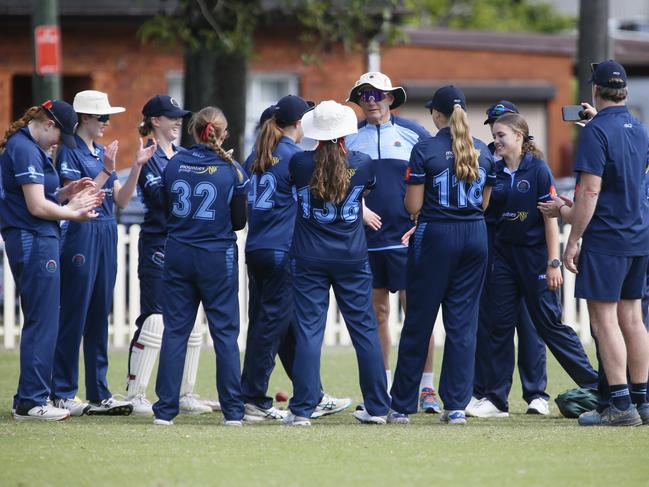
<point x="519" y="451"/>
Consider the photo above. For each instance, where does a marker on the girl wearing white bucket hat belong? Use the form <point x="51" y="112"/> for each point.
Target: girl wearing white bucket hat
<point x="329" y="249"/>
<point x="89" y="262"/>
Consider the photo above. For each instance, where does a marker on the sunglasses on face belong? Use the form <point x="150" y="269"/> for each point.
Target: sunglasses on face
<point x="102" y="118"/>
<point x="371" y="95"/>
<point x="499" y="110"/>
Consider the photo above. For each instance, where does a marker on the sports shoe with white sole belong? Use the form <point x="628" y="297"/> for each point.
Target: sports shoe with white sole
<point x="162" y="422"/>
<point x="366" y="418"/>
<point x="215" y="405"/>
<point x="397" y="418"/>
<point x="293" y="420"/>
<point x="237" y="423"/>
<point x="191" y="404"/>
<point x="453" y="417"/>
<point x="255" y="414"/>
<point x="76" y="408"/>
<point x="486" y="409"/>
<point x="472" y="403"/>
<point x="330" y="405"/>
<point x="110" y="407"/>
<point x="428" y="401"/>
<point x="538" y="406"/>
<point x="46" y="412"/>
<point x="141" y="405"/>
<point x="613" y="416"/>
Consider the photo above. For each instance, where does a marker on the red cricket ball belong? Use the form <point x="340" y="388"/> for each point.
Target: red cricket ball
<point x="281" y="396"/>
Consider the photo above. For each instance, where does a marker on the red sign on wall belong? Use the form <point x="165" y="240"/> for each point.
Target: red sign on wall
<point x="48" y="49"/>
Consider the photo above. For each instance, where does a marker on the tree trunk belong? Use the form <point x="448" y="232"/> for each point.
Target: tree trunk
<point x="217" y="79"/>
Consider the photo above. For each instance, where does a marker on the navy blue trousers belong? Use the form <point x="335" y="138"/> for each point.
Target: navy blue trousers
<point x="447" y="262"/>
<point x="352" y="287"/>
<point x="192" y="276"/>
<point x="520" y="271"/>
<point x="34" y="263"/>
<point x="531" y="349"/>
<point x="88" y="271"/>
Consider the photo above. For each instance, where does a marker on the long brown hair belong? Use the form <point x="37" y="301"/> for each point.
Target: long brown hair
<point x="208" y="126"/>
<point x="466" y="155"/>
<point x="267" y="141"/>
<point x="33" y="113"/>
<point x="517" y="123"/>
<point x="330" y="179"/>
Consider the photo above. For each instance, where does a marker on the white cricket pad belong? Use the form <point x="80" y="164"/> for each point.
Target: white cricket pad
<point x="144" y="354"/>
<point x="191" y="360"/>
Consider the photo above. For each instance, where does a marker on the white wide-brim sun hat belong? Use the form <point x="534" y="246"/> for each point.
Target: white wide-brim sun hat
<point x="381" y="82"/>
<point x="329" y="120"/>
<point x="93" y="102"/>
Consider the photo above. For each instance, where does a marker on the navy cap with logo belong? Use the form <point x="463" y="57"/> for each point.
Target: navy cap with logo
<point x="609" y="74"/>
<point x="445" y="99"/>
<point x="498" y="109"/>
<point x="164" y="105"/>
<point x="65" y="118"/>
<point x="290" y="108"/>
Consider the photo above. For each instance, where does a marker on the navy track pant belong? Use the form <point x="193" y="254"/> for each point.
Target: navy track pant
<point x="447" y="261"/>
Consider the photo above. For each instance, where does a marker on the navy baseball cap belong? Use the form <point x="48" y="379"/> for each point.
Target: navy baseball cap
<point x="289" y="109"/>
<point x="164" y="105"/>
<point x="445" y="99"/>
<point x="267" y="114"/>
<point x="609" y="74"/>
<point x="65" y="118"/>
<point x="498" y="109"/>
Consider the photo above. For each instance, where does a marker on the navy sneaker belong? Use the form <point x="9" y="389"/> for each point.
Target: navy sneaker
<point x="612" y="416"/>
<point x="643" y="411"/>
<point x="397" y="418"/>
<point x="453" y="417"/>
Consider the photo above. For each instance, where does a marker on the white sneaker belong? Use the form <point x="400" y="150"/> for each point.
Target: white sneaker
<point x="538" y="406"/>
<point x="191" y="404"/>
<point x="215" y="405"/>
<point x="141" y="405"/>
<point x="233" y="422"/>
<point x="365" y="417"/>
<point x="255" y="414"/>
<point x="110" y="407"/>
<point x="472" y="403"/>
<point x="330" y="405"/>
<point x="293" y="420"/>
<point x="46" y="412"/>
<point x="162" y="422"/>
<point x="76" y="408"/>
<point x="486" y="409"/>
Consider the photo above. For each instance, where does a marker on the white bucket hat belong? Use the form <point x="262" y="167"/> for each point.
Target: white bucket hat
<point x="93" y="102"/>
<point x="329" y="120"/>
<point x="380" y="82"/>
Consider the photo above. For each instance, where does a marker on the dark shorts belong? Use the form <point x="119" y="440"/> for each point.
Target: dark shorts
<point x="389" y="269"/>
<point x="605" y="277"/>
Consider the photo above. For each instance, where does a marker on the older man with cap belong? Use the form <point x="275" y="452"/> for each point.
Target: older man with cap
<point x="388" y="140"/>
<point x="611" y="216"/>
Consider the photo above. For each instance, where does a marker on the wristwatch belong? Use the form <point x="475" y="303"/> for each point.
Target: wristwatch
<point x="554" y="263"/>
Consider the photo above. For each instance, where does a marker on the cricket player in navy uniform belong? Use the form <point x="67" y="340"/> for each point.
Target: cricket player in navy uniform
<point x="531" y="349"/>
<point x="526" y="263"/>
<point x="449" y="181"/>
<point x="89" y="261"/>
<point x="205" y="194"/>
<point x="388" y="140"/>
<point x="162" y="123"/>
<point x="329" y="250"/>
<point x="272" y="210"/>
<point x="611" y="216"/>
<point x="30" y="207"/>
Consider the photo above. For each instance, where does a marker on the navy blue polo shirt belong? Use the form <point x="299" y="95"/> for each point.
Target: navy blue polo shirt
<point x="81" y="162"/>
<point x="24" y="162"/>
<point x="198" y="188"/>
<point x="327" y="231"/>
<point x="432" y="163"/>
<point x="150" y="189"/>
<point x="389" y="145"/>
<point x="514" y="198"/>
<point x="613" y="146"/>
<point x="272" y="201"/>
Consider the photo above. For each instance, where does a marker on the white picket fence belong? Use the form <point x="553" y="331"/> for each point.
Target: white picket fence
<point x="126" y="302"/>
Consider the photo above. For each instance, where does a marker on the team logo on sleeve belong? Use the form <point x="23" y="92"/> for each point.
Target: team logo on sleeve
<point x="51" y="266"/>
<point x="32" y="172"/>
<point x="553" y="191"/>
<point x="397" y="143"/>
<point x="523" y="186"/>
<point x="350" y="173"/>
<point x="78" y="260"/>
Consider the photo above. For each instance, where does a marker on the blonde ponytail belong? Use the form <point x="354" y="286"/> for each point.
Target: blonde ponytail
<point x="267" y="141"/>
<point x="466" y="155"/>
